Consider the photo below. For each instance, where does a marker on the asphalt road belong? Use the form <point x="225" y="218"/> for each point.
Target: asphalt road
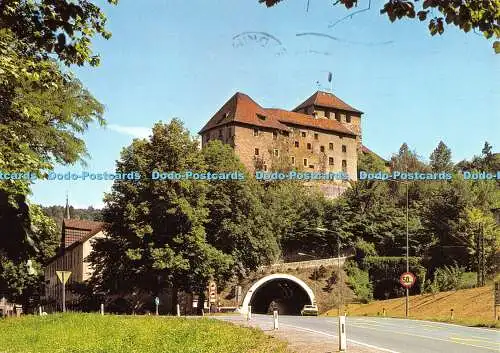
<point x="392" y="335"/>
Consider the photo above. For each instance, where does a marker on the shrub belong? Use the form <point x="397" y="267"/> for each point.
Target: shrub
<point x="359" y="281"/>
<point x="453" y="278"/>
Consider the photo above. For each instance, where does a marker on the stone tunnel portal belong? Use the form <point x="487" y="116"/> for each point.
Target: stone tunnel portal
<point x="284" y="292"/>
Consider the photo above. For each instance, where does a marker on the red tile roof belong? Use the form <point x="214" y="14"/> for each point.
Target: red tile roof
<point x="75" y="230"/>
<point x="329" y="100"/>
<point x="285" y="116"/>
<point x="243" y="109"/>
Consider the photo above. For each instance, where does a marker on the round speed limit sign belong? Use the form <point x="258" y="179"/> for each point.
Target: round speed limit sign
<point x="407" y="279"/>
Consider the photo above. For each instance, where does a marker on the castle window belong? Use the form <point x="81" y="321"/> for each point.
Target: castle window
<point x="275" y="135"/>
<point x="305" y="162"/>
<point x="293" y="160"/>
<point x="330" y="146"/>
<point x="265" y="167"/>
<point x="303" y="134"/>
<point x="322" y="148"/>
<point x="344" y="165"/>
<point x="286" y="133"/>
<point x="309" y="146"/>
<point x="315" y="136"/>
<point x="344" y="148"/>
<point x="330" y="160"/>
<point x="276" y="153"/>
<point x="311" y="166"/>
<point x="256" y="151"/>
<point x="348" y="119"/>
<point x="256" y="132"/>
<point x="297" y="144"/>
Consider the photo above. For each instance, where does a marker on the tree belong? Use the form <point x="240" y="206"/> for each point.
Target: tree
<point x="441" y="159"/>
<point x="64" y="28"/>
<point x="239" y="223"/>
<point x="157" y="239"/>
<point x="480" y="16"/>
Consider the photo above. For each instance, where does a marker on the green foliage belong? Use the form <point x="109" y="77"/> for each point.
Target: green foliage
<point x="479" y="16"/>
<point x="384" y="272"/>
<point x="116" y="334"/>
<point x="64" y="28"/>
<point x="359" y="281"/>
<point x="451" y="278"/>
<point x="441" y="159"/>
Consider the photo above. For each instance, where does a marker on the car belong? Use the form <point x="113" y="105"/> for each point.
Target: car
<point x="311" y="310"/>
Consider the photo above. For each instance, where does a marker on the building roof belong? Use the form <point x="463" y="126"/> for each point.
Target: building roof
<point x="327" y="100"/>
<point x="75" y="230"/>
<point x="243" y="109"/>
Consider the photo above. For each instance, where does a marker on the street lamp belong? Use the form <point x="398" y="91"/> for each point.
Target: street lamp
<point x="319" y="229"/>
<point x="315" y="274"/>
<point x="407" y="302"/>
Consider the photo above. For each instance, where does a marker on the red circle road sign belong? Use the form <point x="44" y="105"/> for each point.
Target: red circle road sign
<point x="407" y="279"/>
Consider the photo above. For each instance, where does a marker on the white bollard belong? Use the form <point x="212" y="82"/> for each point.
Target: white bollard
<point x="342" y="334"/>
<point x="40" y="310"/>
<point x="102" y="309"/>
<point x="275" y="316"/>
<point x="178" y="310"/>
<point x="249" y="313"/>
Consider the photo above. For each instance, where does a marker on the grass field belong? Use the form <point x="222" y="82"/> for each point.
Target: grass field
<point x="471" y="307"/>
<point x="89" y="333"/>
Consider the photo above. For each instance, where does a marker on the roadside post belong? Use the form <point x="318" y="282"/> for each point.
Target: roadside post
<point x="249" y="313"/>
<point x="102" y="309"/>
<point x="496" y="303"/>
<point x="342" y="334"/>
<point x="451" y="315"/>
<point x="63" y="277"/>
<point x="157" y="303"/>
<point x="275" y="317"/>
<point x="178" y="310"/>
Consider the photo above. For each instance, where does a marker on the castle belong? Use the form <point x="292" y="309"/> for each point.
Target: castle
<point x="322" y="134"/>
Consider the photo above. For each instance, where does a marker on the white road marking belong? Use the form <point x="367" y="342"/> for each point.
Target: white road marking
<point x="349" y="340"/>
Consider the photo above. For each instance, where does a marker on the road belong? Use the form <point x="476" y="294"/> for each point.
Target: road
<point x="391" y="335"/>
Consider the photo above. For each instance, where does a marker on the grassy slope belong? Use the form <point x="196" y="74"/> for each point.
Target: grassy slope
<point x="473" y="307"/>
<point x="78" y="333"/>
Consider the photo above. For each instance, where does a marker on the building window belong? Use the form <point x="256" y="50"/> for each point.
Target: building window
<point x="303" y="133"/>
<point x="275" y="135"/>
<point x="276" y="153"/>
<point x="309" y="146"/>
<point x="256" y="132"/>
<point x="330" y="146"/>
<point x="322" y="148"/>
<point x="337" y="116"/>
<point x="261" y="117"/>
<point x="311" y="166"/>
<point x="344" y="165"/>
<point x="256" y="151"/>
<point x="327" y="114"/>
<point x="344" y="148"/>
<point x="342" y="117"/>
<point x="330" y="160"/>
<point x="293" y="160"/>
<point x="297" y="144"/>
<point x="348" y="119"/>
<point x="315" y="136"/>
<point x="265" y="167"/>
<point x="305" y="162"/>
<point x="286" y="133"/>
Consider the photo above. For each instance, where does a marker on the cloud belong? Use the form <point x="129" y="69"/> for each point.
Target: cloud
<point x="135" y="131"/>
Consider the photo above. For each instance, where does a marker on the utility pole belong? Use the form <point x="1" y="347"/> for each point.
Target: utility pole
<point x="407" y="306"/>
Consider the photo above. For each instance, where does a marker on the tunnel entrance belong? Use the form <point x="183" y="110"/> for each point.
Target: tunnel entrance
<point x="284" y="292"/>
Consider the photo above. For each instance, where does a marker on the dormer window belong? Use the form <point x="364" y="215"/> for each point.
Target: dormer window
<point x="261" y="117"/>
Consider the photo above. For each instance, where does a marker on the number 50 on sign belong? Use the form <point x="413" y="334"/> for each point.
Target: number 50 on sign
<point x="407" y="279"/>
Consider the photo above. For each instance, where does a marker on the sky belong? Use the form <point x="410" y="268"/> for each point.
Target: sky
<point x="185" y="59"/>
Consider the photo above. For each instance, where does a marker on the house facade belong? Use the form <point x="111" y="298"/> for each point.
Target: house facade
<point x="76" y="245"/>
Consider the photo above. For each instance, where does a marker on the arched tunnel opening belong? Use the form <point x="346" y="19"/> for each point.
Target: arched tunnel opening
<point x="282" y="294"/>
